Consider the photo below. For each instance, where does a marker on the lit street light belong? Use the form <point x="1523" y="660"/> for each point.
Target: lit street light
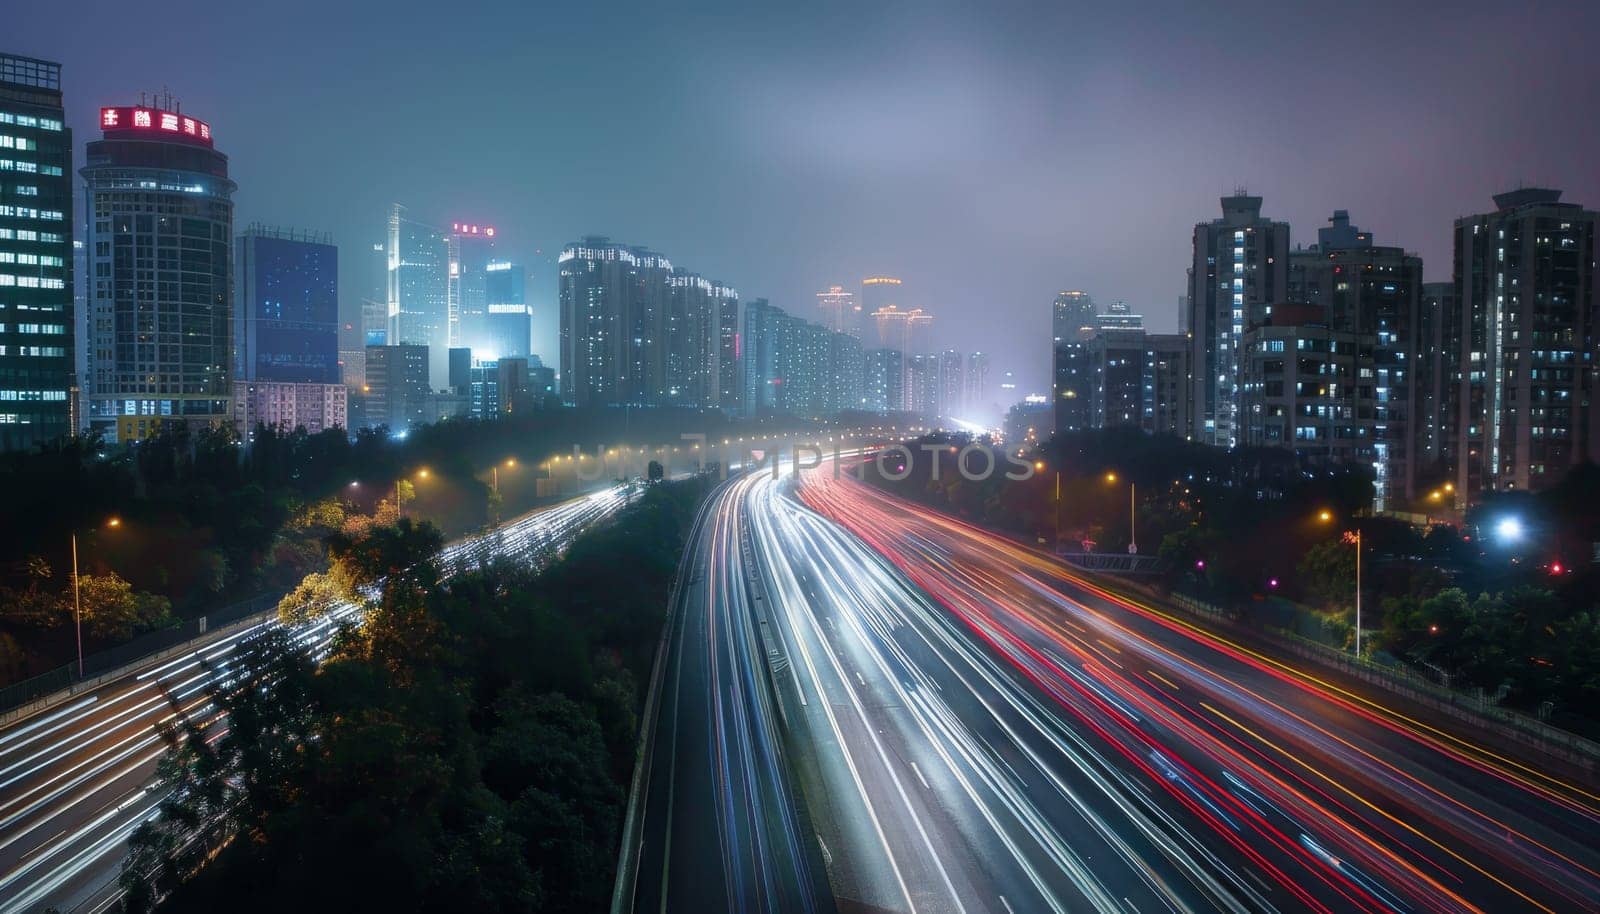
<point x="77" y="599"/>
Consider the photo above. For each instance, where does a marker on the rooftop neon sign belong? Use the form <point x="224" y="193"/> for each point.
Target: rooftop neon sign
<point x="466" y="228"/>
<point x="156" y="121"/>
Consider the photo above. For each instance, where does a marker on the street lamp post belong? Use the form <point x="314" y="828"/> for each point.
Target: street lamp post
<point x="77" y="594"/>
<point x="1358" y="592"/>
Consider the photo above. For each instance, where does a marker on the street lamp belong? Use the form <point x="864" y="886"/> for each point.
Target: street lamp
<point x="1509" y="529"/>
<point x="1133" y="513"/>
<point x="77" y="592"/>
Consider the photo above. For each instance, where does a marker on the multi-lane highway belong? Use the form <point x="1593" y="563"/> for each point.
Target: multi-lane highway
<point x="1176" y="770"/>
<point x="75" y="779"/>
<point x="937" y="719"/>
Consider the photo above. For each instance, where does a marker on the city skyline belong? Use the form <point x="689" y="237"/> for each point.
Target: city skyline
<point x="954" y="71"/>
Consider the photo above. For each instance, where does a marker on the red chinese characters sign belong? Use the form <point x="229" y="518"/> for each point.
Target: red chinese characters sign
<point x="156" y="121"/>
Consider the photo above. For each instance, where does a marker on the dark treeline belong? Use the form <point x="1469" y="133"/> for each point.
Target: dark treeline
<point x="1247" y="529"/>
<point x="202" y="521"/>
<point x="467" y="749"/>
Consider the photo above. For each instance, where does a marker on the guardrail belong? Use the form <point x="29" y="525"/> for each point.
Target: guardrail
<point x="1513" y="725"/>
<point x="22" y="698"/>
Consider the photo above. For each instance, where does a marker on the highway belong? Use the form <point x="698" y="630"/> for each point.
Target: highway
<point x="716" y="824"/>
<point x="1121" y="759"/>
<point x="75" y="779"/>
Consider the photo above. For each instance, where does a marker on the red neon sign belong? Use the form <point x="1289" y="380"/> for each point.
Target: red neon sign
<point x="467" y="228"/>
<point x="157" y="121"/>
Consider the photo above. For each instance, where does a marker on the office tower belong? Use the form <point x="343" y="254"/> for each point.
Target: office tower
<point x="37" y="314"/>
<point x="418" y="290"/>
<point x="836" y="310"/>
<point x="1072" y="390"/>
<point x="397" y="388"/>
<point x="1526" y="404"/>
<point x="483" y="389"/>
<point x="922" y="385"/>
<point x="1118" y="376"/>
<point x="1238" y="270"/>
<point x="1167" y="384"/>
<point x="288" y="405"/>
<point x="159" y="216"/>
<point x="471" y="250"/>
<point x="1308" y="387"/>
<point x="1119" y="315"/>
<point x="885" y="381"/>
<point x="952" y="385"/>
<point x="542" y="388"/>
<point x="977" y="381"/>
<point x="505" y="328"/>
<point x="877" y="292"/>
<point x="353" y="367"/>
<point x="374" y="322"/>
<point x="1435" y="378"/>
<point x="286" y="315"/>
<point x="1371" y="291"/>
<point x="1073" y="317"/>
<point x="461" y="361"/>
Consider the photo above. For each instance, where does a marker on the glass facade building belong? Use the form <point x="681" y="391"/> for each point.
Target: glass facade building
<point x="36" y="261"/>
<point x="159" y="215"/>
<point x="419" y="291"/>
<point x="286" y="323"/>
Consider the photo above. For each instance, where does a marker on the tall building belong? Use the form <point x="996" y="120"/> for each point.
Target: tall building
<point x="286" y="317"/>
<point x="836" y="310"/>
<point x="730" y="354"/>
<point x="1308" y="387"/>
<point x="1435" y="377"/>
<point x="37" y="313"/>
<point x="876" y="292"/>
<point x="397" y="388"/>
<point x="159" y="215"/>
<point x="797" y="367"/>
<point x="1073" y="317"/>
<point x="471" y="248"/>
<point x="504" y="329"/>
<point x="637" y="331"/>
<point x="374" y="322"/>
<point x="1167" y="384"/>
<point x="977" y="379"/>
<point x="418" y="291"/>
<point x="1526" y="402"/>
<point x="885" y="381"/>
<point x="952" y="385"/>
<point x="1118" y="377"/>
<point x="1073" y="386"/>
<point x="1119" y="315"/>
<point x="922" y="385"/>
<point x="1238" y="270"/>
<point x="889" y="323"/>
<point x="1372" y="291"/>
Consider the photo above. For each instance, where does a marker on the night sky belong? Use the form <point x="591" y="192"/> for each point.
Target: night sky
<point x="989" y="155"/>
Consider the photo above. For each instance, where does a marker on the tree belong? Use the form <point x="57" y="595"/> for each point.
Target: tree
<point x="655" y="472"/>
<point x="111" y="608"/>
<point x="1328" y="573"/>
<point x="317" y="594"/>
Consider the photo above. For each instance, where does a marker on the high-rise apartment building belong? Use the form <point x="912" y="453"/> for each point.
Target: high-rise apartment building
<point x="1371" y="291"/>
<point x="885" y="381"/>
<point x="37" y="314"/>
<point x="877" y="292"/>
<point x="922" y="385"/>
<point x="797" y="367"/>
<point x="289" y="405"/>
<point x="952" y="384"/>
<point x="1072" y="387"/>
<point x="286" y="313"/>
<point x="977" y="380"/>
<point x="1307" y="386"/>
<point x="1118" y="378"/>
<point x="1073" y="317"/>
<point x="837" y="311"/>
<point x="1435" y="378"/>
<point x="418" y="291"/>
<point x="159" y="219"/>
<point x="1526" y="404"/>
<point x="1238" y="270"/>
<point x="1167" y="384"/>
<point x="637" y="331"/>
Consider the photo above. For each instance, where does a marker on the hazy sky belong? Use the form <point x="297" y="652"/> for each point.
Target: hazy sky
<point x="987" y="154"/>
